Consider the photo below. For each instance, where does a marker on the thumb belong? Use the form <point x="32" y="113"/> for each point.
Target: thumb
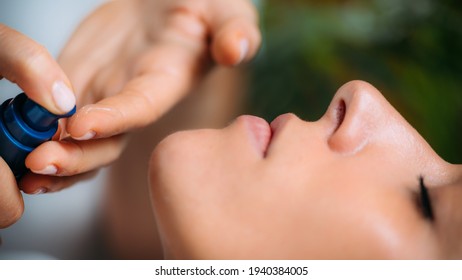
<point x="11" y="202"/>
<point x="28" y="64"/>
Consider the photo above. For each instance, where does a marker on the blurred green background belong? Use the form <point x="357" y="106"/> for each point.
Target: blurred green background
<point x="409" y="49"/>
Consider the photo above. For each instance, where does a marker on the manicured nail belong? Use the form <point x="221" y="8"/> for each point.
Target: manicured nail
<point x="63" y="97"/>
<point x="39" y="191"/>
<point x="49" y="170"/>
<point x="87" y="136"/>
<point x="244" y="49"/>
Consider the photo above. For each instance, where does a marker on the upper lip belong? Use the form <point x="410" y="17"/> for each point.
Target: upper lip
<point x="277" y="126"/>
<point x="279" y="122"/>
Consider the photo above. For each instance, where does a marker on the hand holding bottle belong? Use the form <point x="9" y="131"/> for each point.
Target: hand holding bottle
<point x="130" y="62"/>
<point x="29" y="65"/>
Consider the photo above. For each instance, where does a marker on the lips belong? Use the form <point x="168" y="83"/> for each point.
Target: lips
<point x="280" y="121"/>
<point x="259" y="133"/>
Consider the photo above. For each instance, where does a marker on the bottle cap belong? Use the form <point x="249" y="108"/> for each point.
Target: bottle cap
<point x="24" y="125"/>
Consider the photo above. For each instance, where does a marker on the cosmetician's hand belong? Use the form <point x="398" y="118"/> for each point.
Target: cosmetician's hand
<point x="131" y="61"/>
<point x="28" y="64"/>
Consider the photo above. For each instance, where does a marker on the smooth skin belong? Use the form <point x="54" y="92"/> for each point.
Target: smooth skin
<point x="343" y="187"/>
<point x="130" y="62"/>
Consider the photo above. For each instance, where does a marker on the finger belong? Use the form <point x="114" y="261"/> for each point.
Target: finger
<point x="29" y="64"/>
<point x="167" y="72"/>
<point x="233" y="27"/>
<point x="163" y="77"/>
<point x="11" y="202"/>
<point x="97" y="42"/>
<point x="39" y="184"/>
<point x="235" y="34"/>
<point x="67" y="158"/>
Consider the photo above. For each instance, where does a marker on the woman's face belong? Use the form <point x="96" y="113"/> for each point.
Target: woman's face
<point x="345" y="186"/>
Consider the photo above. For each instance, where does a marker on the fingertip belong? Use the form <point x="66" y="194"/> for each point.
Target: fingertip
<point x="85" y="137"/>
<point x="34" y="184"/>
<point x="58" y="98"/>
<point x="63" y="97"/>
<point x="36" y="159"/>
<point x="48" y="160"/>
<point x="30" y="65"/>
<point x="100" y="120"/>
<point x="236" y="42"/>
<point x="53" y="158"/>
<point x="80" y="125"/>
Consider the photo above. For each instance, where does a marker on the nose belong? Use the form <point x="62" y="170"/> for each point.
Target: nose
<point x="361" y="115"/>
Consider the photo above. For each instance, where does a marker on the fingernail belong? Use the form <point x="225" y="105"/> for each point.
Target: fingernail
<point x="63" y="97"/>
<point x="49" y="170"/>
<point x="87" y="136"/>
<point x="39" y="191"/>
<point x="244" y="49"/>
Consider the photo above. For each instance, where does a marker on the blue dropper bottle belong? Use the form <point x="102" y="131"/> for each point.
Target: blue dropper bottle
<point x="24" y="125"/>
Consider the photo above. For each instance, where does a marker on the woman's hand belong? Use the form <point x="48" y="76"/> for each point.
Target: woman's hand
<point x="132" y="61"/>
<point x="29" y="65"/>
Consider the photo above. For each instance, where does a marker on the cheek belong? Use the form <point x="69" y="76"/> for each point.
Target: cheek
<point x="343" y="224"/>
<point x="197" y="179"/>
<point x="371" y="204"/>
<point x="342" y="214"/>
<point x="178" y="168"/>
<point x="367" y="214"/>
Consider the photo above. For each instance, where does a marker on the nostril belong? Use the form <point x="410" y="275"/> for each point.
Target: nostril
<point x="340" y="112"/>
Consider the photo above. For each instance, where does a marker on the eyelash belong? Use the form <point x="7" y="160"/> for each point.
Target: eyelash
<point x="424" y="201"/>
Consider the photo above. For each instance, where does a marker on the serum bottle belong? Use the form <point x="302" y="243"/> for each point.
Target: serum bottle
<point x="24" y="125"/>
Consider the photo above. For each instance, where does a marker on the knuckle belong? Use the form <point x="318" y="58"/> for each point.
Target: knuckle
<point x="35" y="56"/>
<point x="187" y="22"/>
